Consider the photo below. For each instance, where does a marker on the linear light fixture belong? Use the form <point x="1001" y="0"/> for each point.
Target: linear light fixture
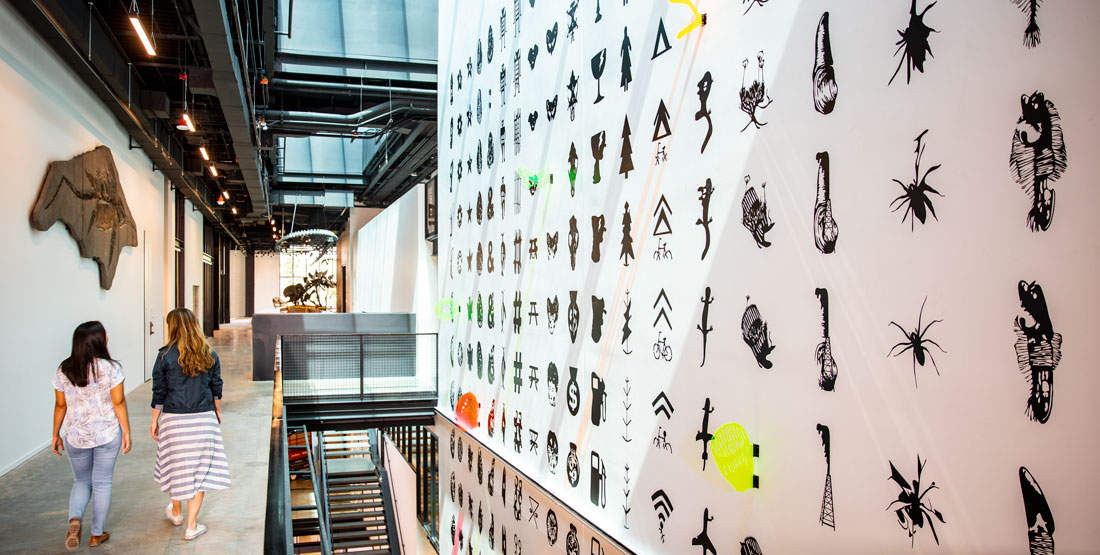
<point x="188" y="123"/>
<point x="213" y="170"/>
<point x="140" y="29"/>
<point x="234" y="210"/>
<point x="205" y="155"/>
<point x="226" y="194"/>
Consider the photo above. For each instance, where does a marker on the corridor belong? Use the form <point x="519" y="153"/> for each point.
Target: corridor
<point x="34" y="496"/>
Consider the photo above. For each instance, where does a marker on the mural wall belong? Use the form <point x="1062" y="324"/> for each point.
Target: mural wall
<point x="694" y="253"/>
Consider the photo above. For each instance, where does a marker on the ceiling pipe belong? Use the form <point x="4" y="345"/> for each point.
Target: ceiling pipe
<point x="325" y="87"/>
<point x="359" y="119"/>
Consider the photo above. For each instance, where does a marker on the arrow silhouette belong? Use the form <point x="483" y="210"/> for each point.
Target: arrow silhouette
<point x="662" y="504"/>
<point x="662" y="211"/>
<point x="662" y="404"/>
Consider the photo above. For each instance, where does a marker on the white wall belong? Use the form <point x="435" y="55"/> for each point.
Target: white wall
<point x="267" y="283"/>
<point x="236" y="284"/>
<point x="402" y="482"/>
<point x="49" y="115"/>
<point x="359" y="218"/>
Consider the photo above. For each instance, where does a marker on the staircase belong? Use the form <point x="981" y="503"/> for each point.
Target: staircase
<point x="354" y="494"/>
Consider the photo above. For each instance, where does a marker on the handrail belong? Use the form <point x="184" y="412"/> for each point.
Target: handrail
<point x="278" y="525"/>
<point x="385" y="487"/>
<point x="426" y="473"/>
<point x="322" y="524"/>
<point x="324" y="481"/>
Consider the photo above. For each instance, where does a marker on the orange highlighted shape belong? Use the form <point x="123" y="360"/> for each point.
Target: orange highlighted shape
<point x="466" y="411"/>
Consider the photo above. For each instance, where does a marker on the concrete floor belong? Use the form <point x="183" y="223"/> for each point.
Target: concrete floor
<point x="34" y="496"/>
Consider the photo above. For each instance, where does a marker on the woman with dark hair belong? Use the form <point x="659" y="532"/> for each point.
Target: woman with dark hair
<point x="90" y="401"/>
<point x="187" y="401"/>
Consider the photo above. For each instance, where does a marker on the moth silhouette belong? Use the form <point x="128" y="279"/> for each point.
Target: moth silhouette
<point x="599" y="62"/>
<point x="574" y="242"/>
<point x="660" y="41"/>
<point x="913" y="44"/>
<point x="825" y="227"/>
<point x="574" y="316"/>
<point x="705" y="85"/>
<point x="552" y="108"/>
<point x="705" y="220"/>
<point x="661" y="127"/>
<point x="755" y="97"/>
<point x="1038" y="156"/>
<point x="754" y="330"/>
<point x="598" y="229"/>
<point x="754" y="214"/>
<point x="915" y="194"/>
<point x="824" y="77"/>
<point x="626" y="162"/>
<point x="824" y="353"/>
<point x="1040" y="521"/>
<point x="552" y="38"/>
<point x="573" y="85"/>
<point x="1031" y="33"/>
<point x="627" y="251"/>
<point x="914" y="506"/>
<point x="624" y="50"/>
<point x="915" y="341"/>
<point x="751" y="547"/>
<point x="598" y="312"/>
<point x="552" y="245"/>
<point x="703" y="540"/>
<point x="827" y="517"/>
<point x="532" y="55"/>
<point x="1038" y="350"/>
<point x="532" y="119"/>
<point x="599" y="142"/>
<point x="703" y="326"/>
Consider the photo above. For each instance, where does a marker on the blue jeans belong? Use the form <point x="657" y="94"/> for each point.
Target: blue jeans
<point x="93" y="470"/>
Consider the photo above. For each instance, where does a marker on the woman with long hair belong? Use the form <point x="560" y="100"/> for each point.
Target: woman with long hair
<point x="88" y="398"/>
<point x="186" y="424"/>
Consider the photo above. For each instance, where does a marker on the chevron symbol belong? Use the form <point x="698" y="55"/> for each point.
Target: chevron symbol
<point x="662" y="504"/>
<point x="662" y="404"/>
<point x="661" y="313"/>
<point x="662" y="227"/>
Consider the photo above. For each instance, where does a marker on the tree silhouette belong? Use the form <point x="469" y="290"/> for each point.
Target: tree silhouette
<point x="627" y="163"/>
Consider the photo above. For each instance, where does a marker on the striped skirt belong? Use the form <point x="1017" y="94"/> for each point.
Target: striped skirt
<point x="190" y="455"/>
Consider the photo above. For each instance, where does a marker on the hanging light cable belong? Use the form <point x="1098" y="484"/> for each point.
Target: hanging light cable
<point x="147" y="39"/>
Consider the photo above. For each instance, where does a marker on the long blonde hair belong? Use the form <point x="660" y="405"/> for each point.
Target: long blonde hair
<point x="183" y="330"/>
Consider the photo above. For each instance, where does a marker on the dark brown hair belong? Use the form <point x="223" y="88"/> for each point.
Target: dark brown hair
<point x="89" y="344"/>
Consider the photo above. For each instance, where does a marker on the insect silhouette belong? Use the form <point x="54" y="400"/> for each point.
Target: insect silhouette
<point x="916" y="341"/>
<point x="756" y="96"/>
<point x="1031" y="33"/>
<point x="915" y="194"/>
<point x="1038" y="156"/>
<point x="914" y="43"/>
<point x="754" y="214"/>
<point x="914" y="509"/>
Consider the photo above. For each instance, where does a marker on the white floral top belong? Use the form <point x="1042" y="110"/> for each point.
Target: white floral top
<point x="90" y="420"/>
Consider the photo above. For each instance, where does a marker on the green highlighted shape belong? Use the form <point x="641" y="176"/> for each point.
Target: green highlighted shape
<point x="734" y="454"/>
<point x="445" y="309"/>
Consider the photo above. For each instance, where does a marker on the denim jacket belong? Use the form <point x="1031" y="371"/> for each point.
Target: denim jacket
<point x="176" y="393"/>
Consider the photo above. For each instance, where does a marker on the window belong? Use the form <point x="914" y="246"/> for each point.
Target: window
<point x="295" y="265"/>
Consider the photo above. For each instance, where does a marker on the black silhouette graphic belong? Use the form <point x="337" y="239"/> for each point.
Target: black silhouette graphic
<point x="552" y="384"/>
<point x="573" y="392"/>
<point x="661" y="128"/>
<point x="517" y="312"/>
<point x="663" y="505"/>
<point x="598" y="312"/>
<point x="915" y="340"/>
<point x="517" y="421"/>
<point x="661" y="314"/>
<point x="573" y="467"/>
<point x="573" y="85"/>
<point x="624" y="51"/>
<point x="627" y="251"/>
<point x="626" y="163"/>
<point x="703" y="327"/>
<point x="479" y="360"/>
<point x="660" y="42"/>
<point x="626" y="496"/>
<point x="703" y="540"/>
<point x="660" y="440"/>
<point x="827" y="518"/>
<point x="754" y="214"/>
<point x="915" y="195"/>
<point x="599" y="142"/>
<point x="479" y="108"/>
<point x="597" y="478"/>
<point x="599" y="61"/>
<point x="750" y="547"/>
<point x="533" y="314"/>
<point x="551" y="450"/>
<point x="662" y="251"/>
<point x="1040" y="521"/>
<point x="1038" y="350"/>
<point x="551" y="526"/>
<point x="552" y="314"/>
<point x="517" y="67"/>
<point x="598" y="229"/>
<point x="914" y="43"/>
<point x="572" y="169"/>
<point x="572" y="13"/>
<point x="704" y="434"/>
<point x="516" y="132"/>
<point x="705" y="85"/>
<point x="754" y="330"/>
<point x="572" y="544"/>
<point x="824" y="353"/>
<point x="534" y="434"/>
<point x="517" y="503"/>
<point x="824" y="77"/>
<point x="626" y="411"/>
<point x="489" y="46"/>
<point x="662" y="404"/>
<point x="661" y="348"/>
<point x="533" y="119"/>
<point x="503" y="135"/>
<point x="752" y="3"/>
<point x="532" y="55"/>
<point x="552" y="108"/>
<point x="552" y="38"/>
<point x="574" y="316"/>
<point x="1031" y="36"/>
<point x="662" y="227"/>
<point x="533" y="248"/>
<point x="1038" y="156"/>
<point x="914" y="509"/>
<point x="491" y="371"/>
<point x="756" y="96"/>
<point x="825" y="227"/>
<point x="489" y="162"/>
<point x="705" y="220"/>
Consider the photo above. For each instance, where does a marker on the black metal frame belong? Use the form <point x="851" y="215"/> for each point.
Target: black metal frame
<point x="420" y="449"/>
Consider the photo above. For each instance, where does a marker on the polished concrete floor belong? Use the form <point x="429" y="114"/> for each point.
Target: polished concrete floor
<point x="34" y="496"/>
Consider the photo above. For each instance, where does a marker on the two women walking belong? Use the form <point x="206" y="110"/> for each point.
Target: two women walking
<point x="186" y="424"/>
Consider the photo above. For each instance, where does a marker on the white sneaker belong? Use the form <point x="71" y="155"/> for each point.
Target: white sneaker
<point x="192" y="534"/>
<point x="175" y="520"/>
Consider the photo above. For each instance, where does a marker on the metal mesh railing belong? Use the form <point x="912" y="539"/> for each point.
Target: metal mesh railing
<point x="371" y="366"/>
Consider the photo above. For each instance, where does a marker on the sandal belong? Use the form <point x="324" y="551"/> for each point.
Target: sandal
<point x="192" y="534"/>
<point x="175" y="520"/>
<point x="96" y="540"/>
<point x="72" y="539"/>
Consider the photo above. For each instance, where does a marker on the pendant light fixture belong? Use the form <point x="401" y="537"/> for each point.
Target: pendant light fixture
<point x="147" y="39"/>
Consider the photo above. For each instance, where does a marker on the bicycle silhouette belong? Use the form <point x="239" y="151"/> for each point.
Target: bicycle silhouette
<point x="662" y="251"/>
<point x="661" y="348"/>
<point x="660" y="441"/>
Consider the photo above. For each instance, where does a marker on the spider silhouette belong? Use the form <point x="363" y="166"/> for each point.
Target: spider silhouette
<point x="915" y="340"/>
<point x="915" y="195"/>
<point x="915" y="510"/>
<point x="914" y="41"/>
<point x="755" y="97"/>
